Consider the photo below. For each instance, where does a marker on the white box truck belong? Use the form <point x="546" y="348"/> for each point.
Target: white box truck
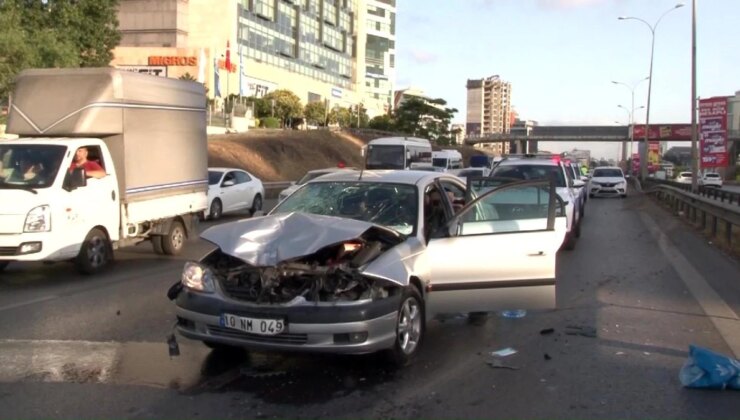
<point x="148" y="180"/>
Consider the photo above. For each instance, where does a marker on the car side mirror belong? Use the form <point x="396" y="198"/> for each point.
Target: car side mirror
<point x="228" y="183"/>
<point x="75" y="179"/>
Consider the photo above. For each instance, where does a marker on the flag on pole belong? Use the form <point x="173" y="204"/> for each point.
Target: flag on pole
<point x="216" y="84"/>
<point x="228" y="57"/>
<point x="202" y="66"/>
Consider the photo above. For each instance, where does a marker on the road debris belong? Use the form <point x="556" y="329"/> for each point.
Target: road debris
<point x="499" y="364"/>
<point x="504" y="352"/>
<point x="581" y="330"/>
<point x="707" y="369"/>
<point x="547" y="331"/>
<point x="548" y="357"/>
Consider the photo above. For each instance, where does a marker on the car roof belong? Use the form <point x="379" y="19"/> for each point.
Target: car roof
<point x="221" y="169"/>
<point x="607" y="167"/>
<point x="538" y="160"/>
<point x="332" y="169"/>
<point x="386" y="176"/>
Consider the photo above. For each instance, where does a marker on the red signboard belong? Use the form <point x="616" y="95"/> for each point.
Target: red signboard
<point x="664" y="132"/>
<point x="713" y="132"/>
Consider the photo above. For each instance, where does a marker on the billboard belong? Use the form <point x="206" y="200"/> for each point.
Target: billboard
<point x="663" y="132"/>
<point x="713" y="132"/>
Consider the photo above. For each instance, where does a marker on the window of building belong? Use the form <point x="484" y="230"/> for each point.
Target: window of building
<point x="265" y="9"/>
<point x="330" y="13"/>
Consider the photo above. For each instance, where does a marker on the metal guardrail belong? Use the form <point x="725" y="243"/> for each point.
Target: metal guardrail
<point x="711" y="192"/>
<point x="722" y="218"/>
<point x="272" y="189"/>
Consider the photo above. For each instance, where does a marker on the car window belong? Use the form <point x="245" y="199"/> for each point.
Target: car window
<point x="242" y="177"/>
<point x="607" y="173"/>
<point x="390" y="205"/>
<point x="711" y="176"/>
<point x="455" y="194"/>
<point x="516" y="208"/>
<point x="532" y="172"/>
<point x="229" y="177"/>
<point x="214" y="177"/>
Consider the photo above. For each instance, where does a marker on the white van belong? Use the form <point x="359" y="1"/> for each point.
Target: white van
<point x="447" y="159"/>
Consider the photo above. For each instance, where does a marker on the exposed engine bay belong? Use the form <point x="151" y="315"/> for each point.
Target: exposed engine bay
<point x="332" y="274"/>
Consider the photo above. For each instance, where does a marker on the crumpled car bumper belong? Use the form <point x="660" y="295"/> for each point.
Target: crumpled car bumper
<point x="360" y="327"/>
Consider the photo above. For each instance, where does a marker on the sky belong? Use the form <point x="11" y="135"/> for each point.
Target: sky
<point x="562" y="55"/>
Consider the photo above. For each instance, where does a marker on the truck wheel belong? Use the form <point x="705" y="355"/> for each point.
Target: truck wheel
<point x="409" y="327"/>
<point x="3" y="264"/>
<point x="157" y="244"/>
<point x="174" y="241"/>
<point x="256" y="205"/>
<point x="95" y="254"/>
<point x="216" y="210"/>
<point x="570" y="242"/>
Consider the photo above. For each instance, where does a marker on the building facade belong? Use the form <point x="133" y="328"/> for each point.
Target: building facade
<point x="380" y="55"/>
<point x="489" y="110"/>
<point x="315" y="48"/>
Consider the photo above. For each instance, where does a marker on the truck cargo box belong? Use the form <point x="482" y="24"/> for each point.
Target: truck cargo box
<point x="154" y="127"/>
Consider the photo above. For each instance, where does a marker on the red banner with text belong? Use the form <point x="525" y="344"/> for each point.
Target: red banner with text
<point x="713" y="132"/>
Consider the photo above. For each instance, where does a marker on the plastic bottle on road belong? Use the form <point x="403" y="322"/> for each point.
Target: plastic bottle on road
<point x="514" y="313"/>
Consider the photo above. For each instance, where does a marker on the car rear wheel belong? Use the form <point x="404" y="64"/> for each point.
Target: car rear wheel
<point x="216" y="210"/>
<point x="174" y="241"/>
<point x="410" y="326"/>
<point x="256" y="204"/>
<point x="95" y="253"/>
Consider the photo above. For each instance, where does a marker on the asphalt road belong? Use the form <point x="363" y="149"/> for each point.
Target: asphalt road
<point x="637" y="289"/>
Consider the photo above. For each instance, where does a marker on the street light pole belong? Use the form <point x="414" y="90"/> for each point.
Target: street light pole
<point x="631" y="111"/>
<point x="644" y="144"/>
<point x="694" y="128"/>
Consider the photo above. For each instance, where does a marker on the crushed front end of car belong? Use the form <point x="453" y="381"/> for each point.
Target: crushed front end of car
<point x="291" y="282"/>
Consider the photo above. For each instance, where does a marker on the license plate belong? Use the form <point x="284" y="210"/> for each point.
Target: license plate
<point x="259" y="326"/>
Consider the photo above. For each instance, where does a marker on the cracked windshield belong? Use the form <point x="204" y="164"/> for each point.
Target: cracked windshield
<point x="376" y="209"/>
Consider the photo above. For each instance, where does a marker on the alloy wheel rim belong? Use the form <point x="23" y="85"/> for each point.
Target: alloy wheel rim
<point x="409" y="326"/>
<point x="97" y="252"/>
<point x="177" y="238"/>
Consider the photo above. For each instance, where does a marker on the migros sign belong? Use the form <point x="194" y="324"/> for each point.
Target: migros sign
<point x="175" y="60"/>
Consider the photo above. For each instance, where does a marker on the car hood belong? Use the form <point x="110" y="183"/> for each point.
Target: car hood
<point x="269" y="240"/>
<point x="608" y="179"/>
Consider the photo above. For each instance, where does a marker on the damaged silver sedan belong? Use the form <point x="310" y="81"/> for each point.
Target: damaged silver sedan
<point x="358" y="262"/>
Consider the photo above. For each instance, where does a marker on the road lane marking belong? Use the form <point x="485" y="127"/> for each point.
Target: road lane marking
<point x="27" y="302"/>
<point x="725" y="320"/>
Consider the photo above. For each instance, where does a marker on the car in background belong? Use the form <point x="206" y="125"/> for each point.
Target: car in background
<point x="231" y="190"/>
<point x="574" y="172"/>
<point x="607" y="181"/>
<point x="684" y="178"/>
<point x="547" y="166"/>
<point x="470" y="172"/>
<point x="315" y="173"/>
<point x="711" y="179"/>
<point x="357" y="263"/>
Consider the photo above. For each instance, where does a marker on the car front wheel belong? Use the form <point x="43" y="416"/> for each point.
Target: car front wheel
<point x="409" y="327"/>
<point x="95" y="253"/>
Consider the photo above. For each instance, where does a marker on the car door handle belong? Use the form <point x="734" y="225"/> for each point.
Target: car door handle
<point x="537" y="254"/>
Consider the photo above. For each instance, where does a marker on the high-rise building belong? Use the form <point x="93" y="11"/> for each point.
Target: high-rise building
<point x="379" y="31"/>
<point x="316" y="48"/>
<point x="489" y="109"/>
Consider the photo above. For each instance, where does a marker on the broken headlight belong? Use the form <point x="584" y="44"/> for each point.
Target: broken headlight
<point x="197" y="277"/>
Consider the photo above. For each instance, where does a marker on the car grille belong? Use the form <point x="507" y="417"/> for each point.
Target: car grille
<point x="608" y="185"/>
<point x="7" y="251"/>
<point x="277" y="339"/>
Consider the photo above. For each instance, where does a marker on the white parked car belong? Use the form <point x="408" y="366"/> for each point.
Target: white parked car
<point x="711" y="179"/>
<point x="308" y="177"/>
<point x="357" y="264"/>
<point x="470" y="172"/>
<point x="231" y="190"/>
<point x="546" y="166"/>
<point x="608" y="181"/>
<point x="684" y="178"/>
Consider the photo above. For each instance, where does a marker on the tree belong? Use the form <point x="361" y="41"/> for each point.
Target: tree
<point x="90" y="25"/>
<point x="360" y="120"/>
<point x="315" y="113"/>
<point x="341" y="116"/>
<point x="55" y="33"/>
<point x="287" y="105"/>
<point x="426" y="118"/>
<point x="188" y="76"/>
<point x="383" y="122"/>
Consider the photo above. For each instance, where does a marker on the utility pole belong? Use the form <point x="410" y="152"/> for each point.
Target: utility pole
<point x="694" y="129"/>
